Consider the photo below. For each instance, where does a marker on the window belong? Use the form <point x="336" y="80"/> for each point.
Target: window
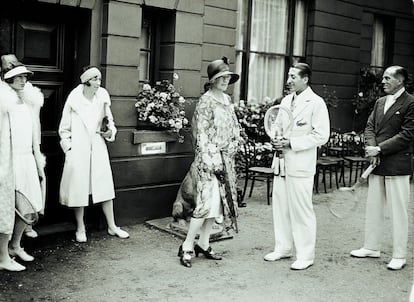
<point x="157" y="37"/>
<point x="271" y="36"/>
<point x="381" y="50"/>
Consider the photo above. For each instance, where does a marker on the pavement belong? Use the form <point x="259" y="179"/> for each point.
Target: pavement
<point x="145" y="267"/>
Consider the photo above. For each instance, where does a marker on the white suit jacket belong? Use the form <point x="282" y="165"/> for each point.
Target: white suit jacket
<point x="311" y="128"/>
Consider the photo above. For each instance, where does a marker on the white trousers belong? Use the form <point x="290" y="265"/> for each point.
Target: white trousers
<point x="394" y="191"/>
<point x="293" y="216"/>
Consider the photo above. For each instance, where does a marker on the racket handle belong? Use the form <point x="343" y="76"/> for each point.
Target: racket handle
<point x="368" y="171"/>
<point x="275" y="164"/>
<point x="282" y="166"/>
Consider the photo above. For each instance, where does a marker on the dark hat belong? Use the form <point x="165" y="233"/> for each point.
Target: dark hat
<point x="219" y="68"/>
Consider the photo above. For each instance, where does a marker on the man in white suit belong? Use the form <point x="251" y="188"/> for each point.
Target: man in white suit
<point x="293" y="215"/>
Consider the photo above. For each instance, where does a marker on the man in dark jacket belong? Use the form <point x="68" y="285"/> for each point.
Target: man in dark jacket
<point x="389" y="138"/>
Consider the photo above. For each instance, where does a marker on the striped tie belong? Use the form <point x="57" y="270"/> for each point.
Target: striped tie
<point x="292" y="103"/>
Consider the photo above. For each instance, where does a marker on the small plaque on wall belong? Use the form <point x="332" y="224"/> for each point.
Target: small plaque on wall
<point x="153" y="148"/>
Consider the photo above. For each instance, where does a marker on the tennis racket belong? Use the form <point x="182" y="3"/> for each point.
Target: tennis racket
<point x="278" y="122"/>
<point x="344" y="204"/>
<point x="24" y="209"/>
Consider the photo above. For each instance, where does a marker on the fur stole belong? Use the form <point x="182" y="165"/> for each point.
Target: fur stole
<point x="31" y="95"/>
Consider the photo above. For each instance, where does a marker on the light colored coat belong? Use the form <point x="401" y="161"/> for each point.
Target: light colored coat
<point x="87" y="168"/>
<point x="311" y="128"/>
<point x="33" y="97"/>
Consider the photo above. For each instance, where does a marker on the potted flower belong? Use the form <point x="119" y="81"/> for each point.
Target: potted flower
<point x="162" y="107"/>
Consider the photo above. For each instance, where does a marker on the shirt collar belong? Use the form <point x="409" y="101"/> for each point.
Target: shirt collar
<point x="398" y="93"/>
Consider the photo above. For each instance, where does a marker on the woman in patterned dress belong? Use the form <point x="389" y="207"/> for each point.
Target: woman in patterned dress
<point x="216" y="136"/>
<point x="22" y="103"/>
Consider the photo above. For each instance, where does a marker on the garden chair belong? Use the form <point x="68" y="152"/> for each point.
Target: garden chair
<point x="254" y="171"/>
<point x="353" y="150"/>
<point x="328" y="164"/>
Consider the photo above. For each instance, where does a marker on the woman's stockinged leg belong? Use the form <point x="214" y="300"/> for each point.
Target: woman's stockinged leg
<point x="193" y="228"/>
<point x="113" y="230"/>
<point x="4" y="253"/>
<point x="18" y="230"/>
<point x="108" y="210"/>
<point x="205" y="232"/>
<point x="80" y="224"/>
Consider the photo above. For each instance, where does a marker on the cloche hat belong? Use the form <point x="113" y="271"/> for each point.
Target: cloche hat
<point x="18" y="70"/>
<point x="219" y="68"/>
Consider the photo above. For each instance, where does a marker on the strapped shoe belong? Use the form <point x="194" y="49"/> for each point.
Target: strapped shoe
<point x="274" y="256"/>
<point x="12" y="266"/>
<point x="301" y="264"/>
<point x="396" y="264"/>
<point x="364" y="253"/>
<point x="185" y="257"/>
<point x="118" y="232"/>
<point x="21" y="253"/>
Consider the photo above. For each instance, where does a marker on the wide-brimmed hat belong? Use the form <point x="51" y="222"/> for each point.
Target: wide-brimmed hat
<point x="18" y="70"/>
<point x="219" y="68"/>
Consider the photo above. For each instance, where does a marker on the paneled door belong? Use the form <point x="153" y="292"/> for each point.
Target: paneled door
<point x="45" y="38"/>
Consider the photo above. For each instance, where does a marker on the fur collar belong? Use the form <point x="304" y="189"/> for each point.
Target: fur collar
<point x="30" y="95"/>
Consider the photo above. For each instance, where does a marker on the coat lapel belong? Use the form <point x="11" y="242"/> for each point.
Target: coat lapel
<point x="394" y="109"/>
<point x="302" y="102"/>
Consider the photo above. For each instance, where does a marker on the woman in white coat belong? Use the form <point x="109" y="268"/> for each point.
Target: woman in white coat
<point x="22" y="102"/>
<point x="87" y="169"/>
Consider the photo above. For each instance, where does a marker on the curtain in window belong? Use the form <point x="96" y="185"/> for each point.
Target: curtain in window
<point x="378" y="43"/>
<point x="299" y="29"/>
<point x="268" y="45"/>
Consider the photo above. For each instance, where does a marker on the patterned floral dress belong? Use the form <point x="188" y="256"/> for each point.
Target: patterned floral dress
<point x="216" y="135"/>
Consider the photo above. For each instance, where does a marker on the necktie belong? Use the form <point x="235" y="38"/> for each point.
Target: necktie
<point x="292" y="103"/>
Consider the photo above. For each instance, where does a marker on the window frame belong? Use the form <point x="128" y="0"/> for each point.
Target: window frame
<point x="246" y="51"/>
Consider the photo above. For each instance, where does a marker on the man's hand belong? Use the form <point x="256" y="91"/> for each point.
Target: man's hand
<point x="372" y="151"/>
<point x="280" y="144"/>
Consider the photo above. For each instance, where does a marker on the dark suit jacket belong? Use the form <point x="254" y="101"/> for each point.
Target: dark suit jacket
<point x="394" y="133"/>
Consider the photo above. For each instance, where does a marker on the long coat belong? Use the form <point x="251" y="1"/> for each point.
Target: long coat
<point x="33" y="97"/>
<point x="87" y="167"/>
<point x="310" y="129"/>
<point x="394" y="134"/>
<point x="216" y="135"/>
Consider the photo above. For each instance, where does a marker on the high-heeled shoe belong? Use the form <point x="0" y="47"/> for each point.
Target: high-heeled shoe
<point x="185" y="257"/>
<point x="208" y="253"/>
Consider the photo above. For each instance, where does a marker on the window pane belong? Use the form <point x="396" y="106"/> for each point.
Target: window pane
<point x="299" y="33"/>
<point x="269" y="26"/>
<point x="145" y="52"/>
<point x="266" y="77"/>
<point x="378" y="43"/>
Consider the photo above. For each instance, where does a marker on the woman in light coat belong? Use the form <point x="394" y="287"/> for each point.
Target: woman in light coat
<point x="20" y="104"/>
<point x="87" y="169"/>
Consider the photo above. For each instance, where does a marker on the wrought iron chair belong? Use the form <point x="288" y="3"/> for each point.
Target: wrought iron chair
<point x="325" y="164"/>
<point x="254" y="171"/>
<point x="353" y="153"/>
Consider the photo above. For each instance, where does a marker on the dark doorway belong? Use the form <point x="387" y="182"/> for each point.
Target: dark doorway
<point x="53" y="41"/>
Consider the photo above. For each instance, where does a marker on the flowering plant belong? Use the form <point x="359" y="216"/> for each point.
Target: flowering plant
<point x="251" y="118"/>
<point x="163" y="106"/>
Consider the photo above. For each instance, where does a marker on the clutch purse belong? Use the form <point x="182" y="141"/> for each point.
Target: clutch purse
<point x="104" y="124"/>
